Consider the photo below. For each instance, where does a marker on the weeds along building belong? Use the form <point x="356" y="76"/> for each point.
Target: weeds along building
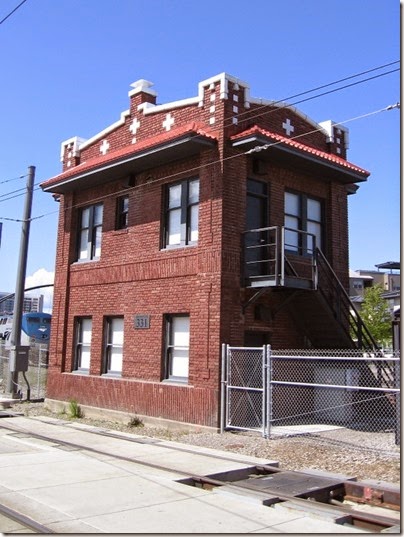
<point x="220" y="218"/>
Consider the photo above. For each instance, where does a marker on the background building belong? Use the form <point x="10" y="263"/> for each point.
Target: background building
<point x="387" y="275"/>
<point x="31" y="304"/>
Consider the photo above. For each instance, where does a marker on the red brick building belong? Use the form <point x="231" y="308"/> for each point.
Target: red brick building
<point x="156" y="262"/>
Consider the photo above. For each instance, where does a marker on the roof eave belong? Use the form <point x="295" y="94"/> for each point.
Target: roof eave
<point x="124" y="166"/>
<point x="335" y="171"/>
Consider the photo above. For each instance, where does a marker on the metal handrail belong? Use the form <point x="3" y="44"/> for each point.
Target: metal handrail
<point x="279" y="257"/>
<point x="362" y="328"/>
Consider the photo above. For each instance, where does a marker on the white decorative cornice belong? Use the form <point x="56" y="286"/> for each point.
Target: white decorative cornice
<point x="222" y="78"/>
<point x="329" y="128"/>
<point x="74" y="144"/>
<point x="106" y="131"/>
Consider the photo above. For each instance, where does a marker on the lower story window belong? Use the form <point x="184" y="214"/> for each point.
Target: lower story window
<point x="83" y="344"/>
<point x="177" y="347"/>
<point x="113" y="350"/>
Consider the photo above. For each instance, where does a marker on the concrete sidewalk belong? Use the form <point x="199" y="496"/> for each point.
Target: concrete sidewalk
<point x="70" y="490"/>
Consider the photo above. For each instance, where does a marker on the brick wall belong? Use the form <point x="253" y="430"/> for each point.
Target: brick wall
<point x="136" y="276"/>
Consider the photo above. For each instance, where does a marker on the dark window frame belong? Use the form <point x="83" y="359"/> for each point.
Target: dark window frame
<point x="122" y="212"/>
<point x="79" y="344"/>
<point x="109" y="346"/>
<point x="185" y="207"/>
<point x="303" y="248"/>
<point x="92" y="231"/>
<point x="169" y="347"/>
<point x="262" y="196"/>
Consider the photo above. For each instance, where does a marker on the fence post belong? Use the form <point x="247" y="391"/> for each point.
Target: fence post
<point x="397" y="436"/>
<point x="38" y="387"/>
<point x="223" y="383"/>
<point x="267" y="365"/>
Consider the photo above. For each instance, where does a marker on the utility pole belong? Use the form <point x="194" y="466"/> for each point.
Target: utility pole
<point x="17" y="352"/>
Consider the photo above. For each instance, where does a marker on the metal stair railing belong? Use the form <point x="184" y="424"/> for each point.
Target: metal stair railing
<point x="350" y="320"/>
<point x="342" y="306"/>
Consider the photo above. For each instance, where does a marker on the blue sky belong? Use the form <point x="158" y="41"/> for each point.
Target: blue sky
<point x="67" y="66"/>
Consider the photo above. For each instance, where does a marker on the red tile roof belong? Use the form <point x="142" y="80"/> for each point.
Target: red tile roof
<point x="300" y="147"/>
<point x="160" y="139"/>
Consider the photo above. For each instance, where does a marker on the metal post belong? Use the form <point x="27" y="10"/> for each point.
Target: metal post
<point x="15" y="338"/>
<point x="268" y="389"/>
<point x="282" y="281"/>
<point x="223" y="384"/>
<point x="397" y="436"/>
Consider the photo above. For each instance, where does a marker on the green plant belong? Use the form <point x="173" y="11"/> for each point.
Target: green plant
<point x="135" y="422"/>
<point x="375" y="314"/>
<point x="75" y="409"/>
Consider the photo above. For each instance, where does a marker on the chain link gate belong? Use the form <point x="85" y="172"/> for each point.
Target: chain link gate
<point x="246" y="389"/>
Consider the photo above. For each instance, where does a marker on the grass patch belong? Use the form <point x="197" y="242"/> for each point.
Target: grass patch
<point x="74" y="409"/>
<point x="135" y="422"/>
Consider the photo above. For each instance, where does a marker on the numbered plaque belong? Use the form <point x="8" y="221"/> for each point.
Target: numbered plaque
<point x="142" y="321"/>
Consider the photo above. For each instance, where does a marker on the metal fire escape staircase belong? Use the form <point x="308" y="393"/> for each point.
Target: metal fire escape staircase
<point x="282" y="259"/>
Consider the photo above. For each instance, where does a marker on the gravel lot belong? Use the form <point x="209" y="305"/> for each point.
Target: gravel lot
<point x="353" y="453"/>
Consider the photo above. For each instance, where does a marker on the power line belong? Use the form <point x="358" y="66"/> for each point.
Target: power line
<point x="219" y="161"/>
<point x="322" y="94"/>
<point x="21" y="193"/>
<point x="267" y="146"/>
<point x="250" y="117"/>
<point x="196" y="168"/>
<point x="13" y="179"/>
<point x="268" y="108"/>
<point x="350" y="77"/>
<point x="13" y="11"/>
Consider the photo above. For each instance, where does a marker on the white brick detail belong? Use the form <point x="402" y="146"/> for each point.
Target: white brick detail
<point x="168" y="122"/>
<point x="104" y="147"/>
<point x="134" y="126"/>
<point x="289" y="128"/>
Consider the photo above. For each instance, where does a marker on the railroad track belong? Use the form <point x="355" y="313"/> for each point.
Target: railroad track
<point x="13" y="522"/>
<point x="348" y="502"/>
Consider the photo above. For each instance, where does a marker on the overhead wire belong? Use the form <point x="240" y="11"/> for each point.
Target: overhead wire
<point x="350" y="77"/>
<point x="328" y="92"/>
<point x="268" y="109"/>
<point x="21" y="191"/>
<point x="219" y="161"/>
<point x="12" y="12"/>
<point x="12" y="179"/>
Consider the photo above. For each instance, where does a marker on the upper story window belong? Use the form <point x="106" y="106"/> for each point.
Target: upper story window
<point x="182" y="212"/>
<point x="83" y="344"/>
<point x="122" y="212"/>
<point x="90" y="232"/>
<point x="303" y="214"/>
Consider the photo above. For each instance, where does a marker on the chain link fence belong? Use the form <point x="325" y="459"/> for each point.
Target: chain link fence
<point x="271" y="390"/>
<point x="32" y="383"/>
<point x="351" y="388"/>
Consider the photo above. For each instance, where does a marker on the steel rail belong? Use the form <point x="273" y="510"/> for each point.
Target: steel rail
<point x="361" y="518"/>
<point x="23" y="520"/>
